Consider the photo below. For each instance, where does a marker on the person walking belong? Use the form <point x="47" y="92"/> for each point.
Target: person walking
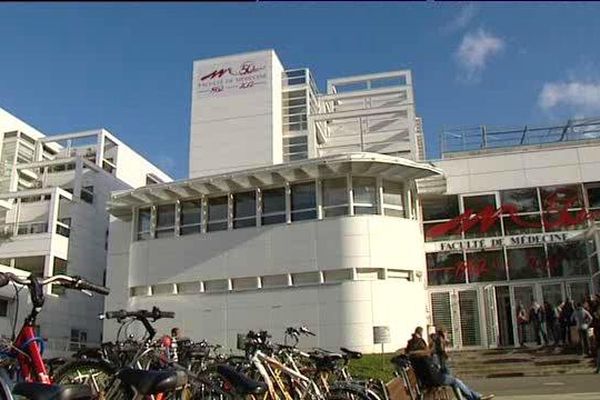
<point x="522" y="321"/>
<point x="582" y="319"/>
<point x="552" y="323"/>
<point x="538" y="318"/>
<point x="565" y="321"/>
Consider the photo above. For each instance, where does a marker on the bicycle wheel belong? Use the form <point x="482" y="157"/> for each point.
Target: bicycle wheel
<point x="348" y="393"/>
<point x="97" y="374"/>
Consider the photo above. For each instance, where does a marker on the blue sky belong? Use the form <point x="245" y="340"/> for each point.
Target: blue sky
<point x="127" y="67"/>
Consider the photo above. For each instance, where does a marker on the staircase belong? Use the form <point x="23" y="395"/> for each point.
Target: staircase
<point x="534" y="361"/>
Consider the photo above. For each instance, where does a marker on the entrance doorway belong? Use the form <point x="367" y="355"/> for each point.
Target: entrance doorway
<point x="504" y="314"/>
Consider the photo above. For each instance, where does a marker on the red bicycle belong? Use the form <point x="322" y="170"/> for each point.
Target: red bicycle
<point x="27" y="347"/>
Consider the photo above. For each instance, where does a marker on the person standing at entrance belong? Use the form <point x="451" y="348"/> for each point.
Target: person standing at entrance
<point x="565" y="321"/>
<point x="538" y="318"/>
<point x="552" y="323"/>
<point x="582" y="319"/>
<point x="522" y="321"/>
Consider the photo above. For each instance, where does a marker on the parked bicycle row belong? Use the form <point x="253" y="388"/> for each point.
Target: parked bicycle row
<point x="172" y="367"/>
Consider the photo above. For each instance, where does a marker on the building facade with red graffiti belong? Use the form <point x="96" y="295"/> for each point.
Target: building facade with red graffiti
<point x="510" y="223"/>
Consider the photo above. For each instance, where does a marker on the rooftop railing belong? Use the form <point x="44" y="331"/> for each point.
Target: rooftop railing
<point x="483" y="137"/>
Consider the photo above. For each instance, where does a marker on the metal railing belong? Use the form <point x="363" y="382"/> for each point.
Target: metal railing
<point x="483" y="137"/>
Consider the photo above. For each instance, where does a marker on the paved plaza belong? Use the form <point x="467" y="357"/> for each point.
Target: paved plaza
<point x="565" y="387"/>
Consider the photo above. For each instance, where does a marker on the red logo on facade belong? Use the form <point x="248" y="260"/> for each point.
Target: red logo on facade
<point x="246" y="68"/>
<point x="557" y="215"/>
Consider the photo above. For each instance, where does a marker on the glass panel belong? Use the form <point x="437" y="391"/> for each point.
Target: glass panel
<point x="335" y="197"/>
<point x="521" y="224"/>
<point x="273" y="206"/>
<point x="552" y="294"/>
<point x="445" y="268"/>
<point x="35" y="265"/>
<point x="217" y="214"/>
<point x="165" y="220"/>
<point x="523" y="200"/>
<point x="579" y="291"/>
<point x="482" y="226"/>
<point x="479" y="203"/>
<point x="593" y="194"/>
<point x="60" y="268"/>
<point x="441" y="312"/>
<point x="565" y="220"/>
<point x="244" y="209"/>
<point x="445" y="207"/>
<point x="303" y="198"/>
<point x="568" y="259"/>
<point x="190" y="216"/>
<point x="144" y="223"/>
<point x="364" y="190"/>
<point x="560" y="197"/>
<point x="433" y="233"/>
<point x="486" y="266"/>
<point x="525" y="263"/>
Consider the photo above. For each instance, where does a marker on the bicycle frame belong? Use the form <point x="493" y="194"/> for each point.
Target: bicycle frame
<point x="29" y="356"/>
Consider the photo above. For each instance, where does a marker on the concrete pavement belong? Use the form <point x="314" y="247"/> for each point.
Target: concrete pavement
<point x="565" y="387"/>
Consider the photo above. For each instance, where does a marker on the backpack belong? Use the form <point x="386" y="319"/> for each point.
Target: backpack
<point x="428" y="371"/>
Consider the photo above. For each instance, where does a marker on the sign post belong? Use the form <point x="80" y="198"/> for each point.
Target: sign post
<point x="381" y="335"/>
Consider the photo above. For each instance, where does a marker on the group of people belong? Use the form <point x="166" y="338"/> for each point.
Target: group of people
<point x="566" y="324"/>
<point x="430" y="362"/>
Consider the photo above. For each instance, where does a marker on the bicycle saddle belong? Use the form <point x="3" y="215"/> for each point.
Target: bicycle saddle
<point x="242" y="384"/>
<point x="152" y="382"/>
<point x="350" y="353"/>
<point x="43" y="391"/>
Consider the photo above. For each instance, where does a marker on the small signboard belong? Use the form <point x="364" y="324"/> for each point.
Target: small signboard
<point x="381" y="334"/>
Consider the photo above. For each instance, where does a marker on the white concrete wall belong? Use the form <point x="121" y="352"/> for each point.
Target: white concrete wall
<point x="233" y="127"/>
<point x="520" y="168"/>
<point x="342" y="313"/>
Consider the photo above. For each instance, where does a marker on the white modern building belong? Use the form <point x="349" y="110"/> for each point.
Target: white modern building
<point x="512" y="221"/>
<point x="53" y="219"/>
<point x="301" y="208"/>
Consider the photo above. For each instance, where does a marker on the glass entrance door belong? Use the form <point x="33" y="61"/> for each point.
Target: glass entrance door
<point x="523" y="296"/>
<point x="505" y="317"/>
<point x="553" y="293"/>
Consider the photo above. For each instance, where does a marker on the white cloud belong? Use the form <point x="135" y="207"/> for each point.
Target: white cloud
<point x="462" y="19"/>
<point x="475" y="50"/>
<point x="579" y="96"/>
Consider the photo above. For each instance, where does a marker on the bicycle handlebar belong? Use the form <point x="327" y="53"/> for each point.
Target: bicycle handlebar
<point x="155" y="314"/>
<point x="69" y="282"/>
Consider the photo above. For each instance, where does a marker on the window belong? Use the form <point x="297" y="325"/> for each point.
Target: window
<point x="593" y="195"/>
<point x="555" y="198"/>
<point x="190" y="217"/>
<point x="568" y="259"/>
<point x="87" y="194"/>
<point x="521" y="224"/>
<point x="63" y="227"/>
<point x="217" y="214"/>
<point x="34" y="264"/>
<point x="165" y="220"/>
<point x="245" y="283"/>
<point x="3" y="308"/>
<point x="337" y="275"/>
<point x="303" y="199"/>
<point x="364" y="192"/>
<point x="526" y="263"/>
<point x="78" y="339"/>
<point x="151" y="179"/>
<point x="484" y="266"/>
<point x="60" y="268"/>
<point x="273" y="206"/>
<point x="523" y="200"/>
<point x="439" y="208"/>
<point x="163" y="289"/>
<point x="244" y="209"/>
<point x="217" y="285"/>
<point x="480" y="205"/>
<point x="445" y="268"/>
<point x="272" y="281"/>
<point x="393" y="199"/>
<point x="188" y="287"/>
<point x="306" y="278"/>
<point x="144" y="223"/>
<point x="335" y="197"/>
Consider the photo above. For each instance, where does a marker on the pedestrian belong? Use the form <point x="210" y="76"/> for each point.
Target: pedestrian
<point x="537" y="317"/>
<point x="582" y="319"/>
<point x="565" y="321"/>
<point x="416" y="342"/>
<point x="552" y="323"/>
<point x="439" y="343"/>
<point x="522" y="321"/>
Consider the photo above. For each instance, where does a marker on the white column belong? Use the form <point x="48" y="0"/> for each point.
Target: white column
<point x="100" y="149"/>
<point x="53" y="211"/>
<point x="288" y="203"/>
<point x="350" y="194"/>
<point x="319" y="194"/>
<point x="78" y="181"/>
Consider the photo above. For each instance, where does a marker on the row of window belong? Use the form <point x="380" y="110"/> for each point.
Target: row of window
<point x="271" y="281"/>
<point x="275" y="206"/>
<point x="568" y="259"/>
<point x="510" y="212"/>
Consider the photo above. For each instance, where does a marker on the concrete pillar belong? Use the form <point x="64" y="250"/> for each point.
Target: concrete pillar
<point x="100" y="148"/>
